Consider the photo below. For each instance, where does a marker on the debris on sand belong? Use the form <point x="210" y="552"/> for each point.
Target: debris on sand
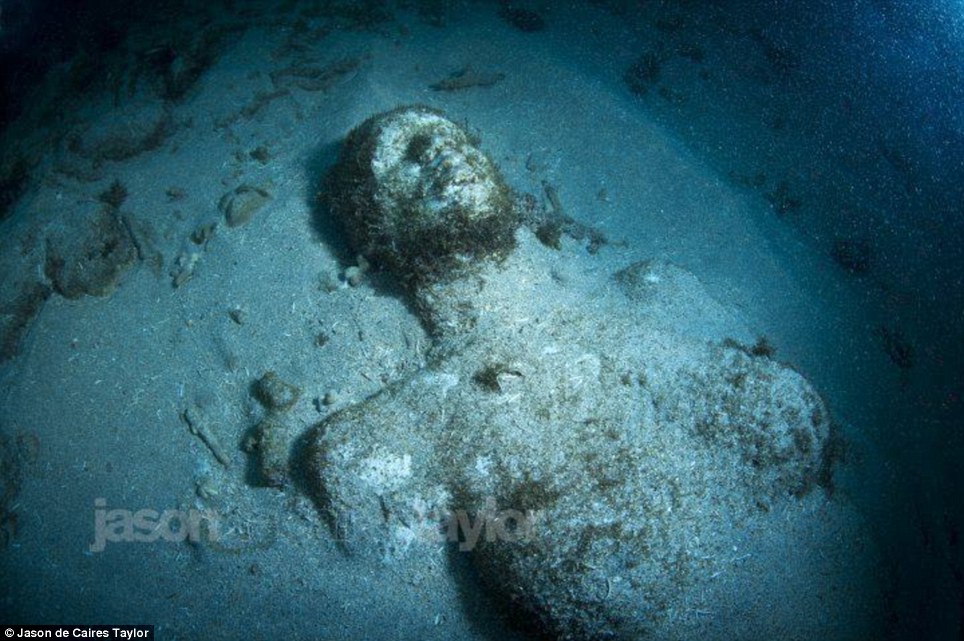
<point x="466" y="78"/>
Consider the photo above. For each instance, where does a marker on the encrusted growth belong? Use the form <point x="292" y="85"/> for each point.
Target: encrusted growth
<point x="417" y="197"/>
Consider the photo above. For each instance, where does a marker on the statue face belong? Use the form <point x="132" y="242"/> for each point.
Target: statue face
<point x="436" y="168"/>
<point x="418" y="197"/>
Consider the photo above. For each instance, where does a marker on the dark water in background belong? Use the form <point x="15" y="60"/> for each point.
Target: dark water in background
<point x="888" y="79"/>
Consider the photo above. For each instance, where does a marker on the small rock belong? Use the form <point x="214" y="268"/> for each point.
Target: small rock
<point x="90" y="258"/>
<point x="183" y="269"/>
<point x="275" y="435"/>
<point x="275" y="394"/>
<point x="241" y="204"/>
<point x="354" y="276"/>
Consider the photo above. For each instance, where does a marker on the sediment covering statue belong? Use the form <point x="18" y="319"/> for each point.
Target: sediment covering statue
<point x="602" y="452"/>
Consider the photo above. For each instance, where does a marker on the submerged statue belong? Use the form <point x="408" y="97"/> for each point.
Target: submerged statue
<point x="602" y="469"/>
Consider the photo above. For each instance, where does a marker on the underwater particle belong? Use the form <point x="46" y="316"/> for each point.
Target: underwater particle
<point x="853" y="254"/>
<point x="242" y="203"/>
<point x="275" y="394"/>
<point x="417" y="197"/>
